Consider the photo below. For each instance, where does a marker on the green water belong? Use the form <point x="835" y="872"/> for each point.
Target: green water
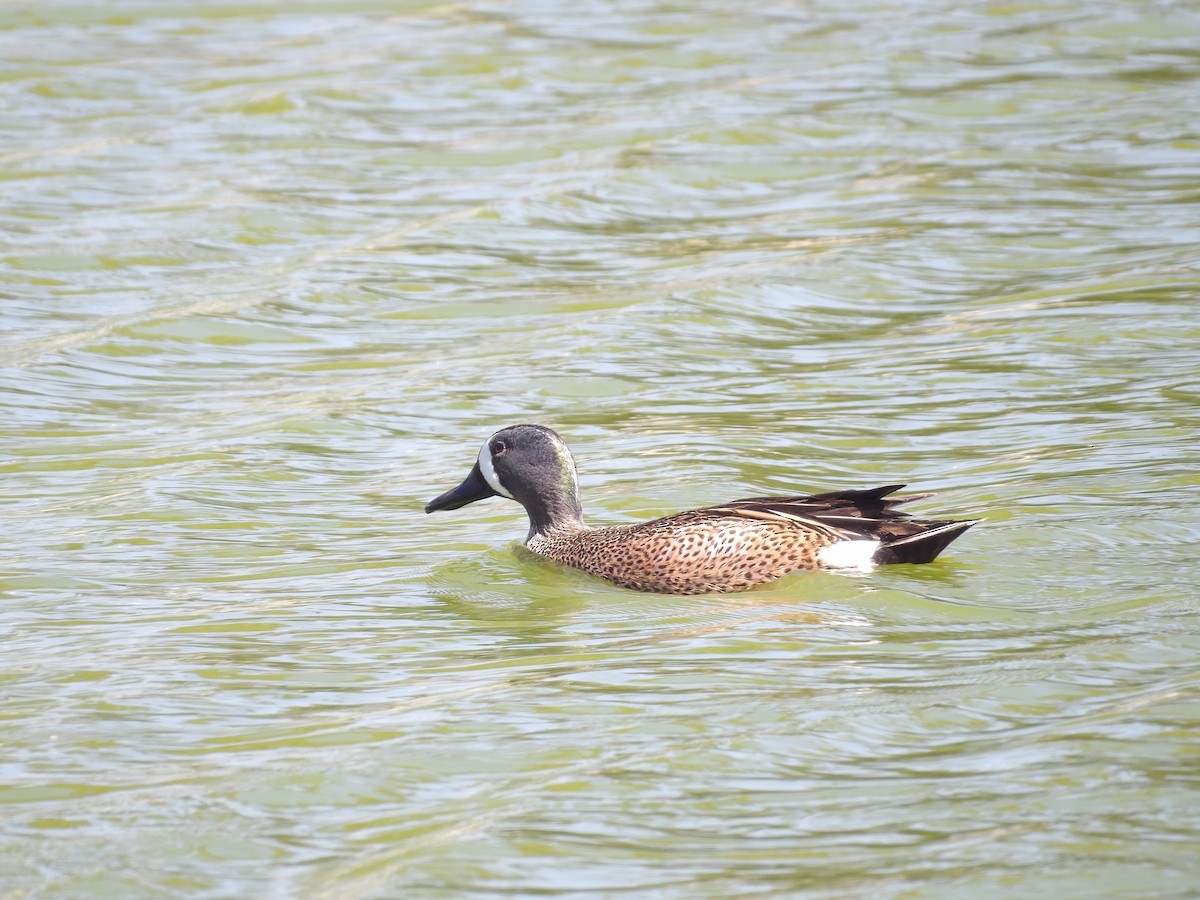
<point x="269" y="274"/>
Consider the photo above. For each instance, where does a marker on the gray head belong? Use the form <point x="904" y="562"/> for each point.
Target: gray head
<point x="526" y="463"/>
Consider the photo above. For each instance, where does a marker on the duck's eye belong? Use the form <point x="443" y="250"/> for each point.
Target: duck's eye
<point x="498" y="448"/>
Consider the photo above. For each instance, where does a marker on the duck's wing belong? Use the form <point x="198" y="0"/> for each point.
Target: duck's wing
<point x="869" y="503"/>
<point x="856" y="515"/>
<point x="852" y="513"/>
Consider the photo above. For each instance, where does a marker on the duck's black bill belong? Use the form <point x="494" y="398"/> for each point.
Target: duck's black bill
<point x="473" y="488"/>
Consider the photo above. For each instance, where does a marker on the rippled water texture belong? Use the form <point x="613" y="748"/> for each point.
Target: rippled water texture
<point x="271" y="272"/>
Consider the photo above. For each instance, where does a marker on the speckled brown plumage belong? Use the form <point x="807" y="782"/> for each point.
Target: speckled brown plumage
<point x="720" y="548"/>
<point x="688" y="553"/>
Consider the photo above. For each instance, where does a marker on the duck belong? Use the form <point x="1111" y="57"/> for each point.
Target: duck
<point x="717" y="549"/>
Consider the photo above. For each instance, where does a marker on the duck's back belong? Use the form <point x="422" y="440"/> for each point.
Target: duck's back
<point x="749" y="542"/>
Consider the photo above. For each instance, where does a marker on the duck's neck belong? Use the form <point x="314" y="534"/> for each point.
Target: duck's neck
<point x="553" y="511"/>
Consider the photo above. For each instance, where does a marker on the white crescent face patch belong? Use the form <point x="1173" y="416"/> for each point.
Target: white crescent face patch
<point x="489" y="470"/>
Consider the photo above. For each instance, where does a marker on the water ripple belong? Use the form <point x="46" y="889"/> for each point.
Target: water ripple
<point x="270" y="274"/>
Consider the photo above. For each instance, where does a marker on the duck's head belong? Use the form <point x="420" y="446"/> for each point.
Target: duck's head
<point x="526" y="463"/>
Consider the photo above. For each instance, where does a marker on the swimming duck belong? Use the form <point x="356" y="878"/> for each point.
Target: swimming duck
<point x="715" y="549"/>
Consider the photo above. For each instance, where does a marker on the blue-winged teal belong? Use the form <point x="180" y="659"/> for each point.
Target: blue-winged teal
<point x="719" y="548"/>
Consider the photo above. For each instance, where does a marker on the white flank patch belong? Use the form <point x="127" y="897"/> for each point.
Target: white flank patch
<point x="489" y="471"/>
<point x="848" y="555"/>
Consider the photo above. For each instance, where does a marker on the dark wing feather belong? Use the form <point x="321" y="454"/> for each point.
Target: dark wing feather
<point x="871" y="502"/>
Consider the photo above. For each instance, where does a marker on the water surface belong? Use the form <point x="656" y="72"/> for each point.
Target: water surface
<point x="270" y="273"/>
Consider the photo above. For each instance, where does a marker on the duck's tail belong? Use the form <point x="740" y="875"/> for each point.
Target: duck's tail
<point x="922" y="545"/>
